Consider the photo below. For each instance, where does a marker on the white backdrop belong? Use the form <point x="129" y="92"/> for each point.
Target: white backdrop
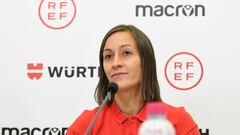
<point x="37" y="106"/>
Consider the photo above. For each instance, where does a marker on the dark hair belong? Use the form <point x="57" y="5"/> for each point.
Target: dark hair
<point x="149" y="85"/>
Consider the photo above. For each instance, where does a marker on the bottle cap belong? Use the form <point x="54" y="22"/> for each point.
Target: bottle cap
<point x="156" y="108"/>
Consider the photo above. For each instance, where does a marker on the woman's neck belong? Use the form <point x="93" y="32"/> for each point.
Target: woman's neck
<point x="129" y="101"/>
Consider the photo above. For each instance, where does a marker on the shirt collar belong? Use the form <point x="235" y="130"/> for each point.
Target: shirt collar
<point x="121" y="117"/>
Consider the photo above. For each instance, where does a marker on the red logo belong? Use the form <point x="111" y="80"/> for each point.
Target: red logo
<point x="34" y="71"/>
<point x="57" y="14"/>
<point x="184" y="71"/>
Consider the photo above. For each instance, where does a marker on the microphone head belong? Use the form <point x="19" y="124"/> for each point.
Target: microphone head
<point x="112" y="87"/>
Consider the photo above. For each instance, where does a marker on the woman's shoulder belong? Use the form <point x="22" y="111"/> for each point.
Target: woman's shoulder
<point x="177" y="114"/>
<point x="87" y="115"/>
<point x="181" y="119"/>
<point x="81" y="123"/>
<point x="173" y="110"/>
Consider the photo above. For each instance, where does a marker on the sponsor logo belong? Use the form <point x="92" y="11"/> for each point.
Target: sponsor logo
<point x="170" y="10"/>
<point x="33" y="131"/>
<point x="35" y="71"/>
<point x="184" y="71"/>
<point x="57" y="14"/>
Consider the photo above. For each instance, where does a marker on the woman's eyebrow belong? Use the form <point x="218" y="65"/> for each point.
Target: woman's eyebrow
<point x="107" y="49"/>
<point x="121" y="46"/>
<point x="124" y="45"/>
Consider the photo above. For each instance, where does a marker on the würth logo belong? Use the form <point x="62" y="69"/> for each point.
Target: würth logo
<point x="34" y="71"/>
<point x="57" y="14"/>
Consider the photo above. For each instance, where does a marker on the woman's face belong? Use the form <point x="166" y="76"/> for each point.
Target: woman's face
<point x="121" y="61"/>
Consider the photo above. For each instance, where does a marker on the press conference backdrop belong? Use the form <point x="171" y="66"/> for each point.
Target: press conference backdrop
<point x="49" y="59"/>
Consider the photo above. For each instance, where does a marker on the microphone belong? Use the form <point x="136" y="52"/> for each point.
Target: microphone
<point x="112" y="88"/>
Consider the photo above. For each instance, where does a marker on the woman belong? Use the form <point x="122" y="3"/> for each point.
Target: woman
<point x="127" y="58"/>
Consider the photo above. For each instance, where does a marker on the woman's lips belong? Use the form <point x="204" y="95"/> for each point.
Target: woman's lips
<point x="118" y="74"/>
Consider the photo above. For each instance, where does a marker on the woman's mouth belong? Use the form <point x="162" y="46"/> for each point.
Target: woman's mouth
<point x="118" y="74"/>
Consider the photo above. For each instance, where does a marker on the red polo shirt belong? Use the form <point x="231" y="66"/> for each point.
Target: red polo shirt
<point x="112" y="121"/>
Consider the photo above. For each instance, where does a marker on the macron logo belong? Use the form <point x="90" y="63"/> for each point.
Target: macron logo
<point x="34" y="71"/>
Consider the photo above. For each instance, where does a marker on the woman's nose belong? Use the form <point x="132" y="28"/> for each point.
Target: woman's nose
<point x="117" y="62"/>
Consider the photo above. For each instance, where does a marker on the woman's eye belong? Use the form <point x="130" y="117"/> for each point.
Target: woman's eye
<point x="107" y="57"/>
<point x="126" y="53"/>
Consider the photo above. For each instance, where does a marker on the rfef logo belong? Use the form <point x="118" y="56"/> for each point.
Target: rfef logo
<point x="57" y="14"/>
<point x="34" y="71"/>
<point x="184" y="71"/>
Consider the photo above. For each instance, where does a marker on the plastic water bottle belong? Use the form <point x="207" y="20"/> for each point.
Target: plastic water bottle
<point x="157" y="122"/>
